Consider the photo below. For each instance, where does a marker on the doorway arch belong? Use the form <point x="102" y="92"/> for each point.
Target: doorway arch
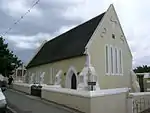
<point x="71" y="78"/>
<point x="73" y="82"/>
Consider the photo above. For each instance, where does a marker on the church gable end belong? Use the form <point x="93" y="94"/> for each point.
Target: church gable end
<point x="110" y="54"/>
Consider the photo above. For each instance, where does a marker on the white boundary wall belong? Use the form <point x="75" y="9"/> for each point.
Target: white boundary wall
<point x="23" y="87"/>
<point x="117" y="100"/>
<point x="138" y="102"/>
<point x="102" y="101"/>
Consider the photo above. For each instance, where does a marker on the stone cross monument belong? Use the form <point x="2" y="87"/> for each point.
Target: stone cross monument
<point x="58" y="78"/>
<point x="42" y="78"/>
<point x="31" y="78"/>
<point x="88" y="78"/>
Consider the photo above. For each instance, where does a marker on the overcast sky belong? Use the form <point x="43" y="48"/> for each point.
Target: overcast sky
<point x="52" y="17"/>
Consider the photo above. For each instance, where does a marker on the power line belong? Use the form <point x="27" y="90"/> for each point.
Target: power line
<point x="21" y="17"/>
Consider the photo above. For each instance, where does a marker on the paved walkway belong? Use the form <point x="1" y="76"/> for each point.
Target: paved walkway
<point x="146" y="111"/>
<point x="22" y="103"/>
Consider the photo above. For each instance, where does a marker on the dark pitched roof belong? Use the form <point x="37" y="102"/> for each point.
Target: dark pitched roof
<point x="67" y="45"/>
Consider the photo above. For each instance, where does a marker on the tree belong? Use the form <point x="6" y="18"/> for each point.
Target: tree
<point x="142" y="69"/>
<point x="8" y="61"/>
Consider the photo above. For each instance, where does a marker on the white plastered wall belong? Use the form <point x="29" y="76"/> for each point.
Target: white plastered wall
<point x="64" y="65"/>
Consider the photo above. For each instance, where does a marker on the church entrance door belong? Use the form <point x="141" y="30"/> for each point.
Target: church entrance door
<point x="73" y="82"/>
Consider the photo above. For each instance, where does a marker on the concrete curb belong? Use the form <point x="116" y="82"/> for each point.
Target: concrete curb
<point x="47" y="102"/>
<point x="13" y="111"/>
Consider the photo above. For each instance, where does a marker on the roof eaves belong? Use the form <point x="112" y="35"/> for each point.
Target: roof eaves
<point x="55" y="61"/>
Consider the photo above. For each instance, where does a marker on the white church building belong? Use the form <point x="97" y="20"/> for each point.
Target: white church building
<point x="88" y="68"/>
<point x="103" y="38"/>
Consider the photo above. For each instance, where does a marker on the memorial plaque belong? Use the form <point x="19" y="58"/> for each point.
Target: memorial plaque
<point x="92" y="83"/>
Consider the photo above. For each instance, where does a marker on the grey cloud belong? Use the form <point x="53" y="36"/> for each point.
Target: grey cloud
<point x="51" y="21"/>
<point x="24" y="54"/>
<point x="53" y="17"/>
<point x="5" y="21"/>
<point x="143" y="61"/>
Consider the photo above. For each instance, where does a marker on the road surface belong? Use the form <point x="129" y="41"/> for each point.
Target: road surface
<point x="22" y="103"/>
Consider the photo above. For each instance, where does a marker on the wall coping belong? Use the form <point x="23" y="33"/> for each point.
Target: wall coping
<point x="87" y="94"/>
<point x="148" y="81"/>
<point x="139" y="94"/>
<point x="23" y="84"/>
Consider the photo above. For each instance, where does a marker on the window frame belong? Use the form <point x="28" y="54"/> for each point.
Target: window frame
<point x="116" y="61"/>
<point x="107" y="60"/>
<point x="113" y="60"/>
<point x="111" y="56"/>
<point x="120" y="64"/>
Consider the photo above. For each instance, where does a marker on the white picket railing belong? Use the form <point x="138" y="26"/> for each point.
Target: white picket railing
<point x="139" y="101"/>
